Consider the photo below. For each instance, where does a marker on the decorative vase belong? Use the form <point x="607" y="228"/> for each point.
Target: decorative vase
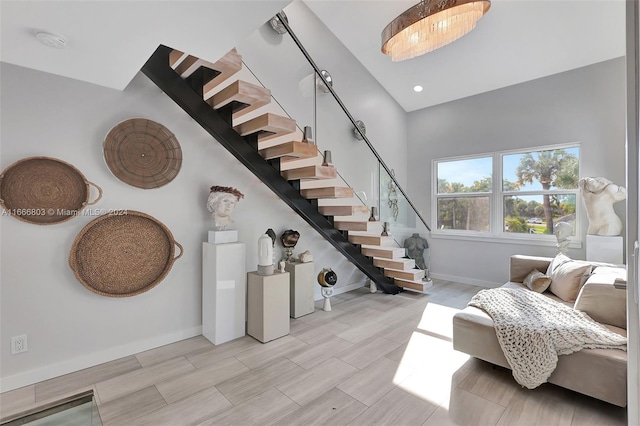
<point x="265" y="255"/>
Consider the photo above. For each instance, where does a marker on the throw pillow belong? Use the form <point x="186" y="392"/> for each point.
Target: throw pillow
<point x="567" y="277"/>
<point x="537" y="281"/>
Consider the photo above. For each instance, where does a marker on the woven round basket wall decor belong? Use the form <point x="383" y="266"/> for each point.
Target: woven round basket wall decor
<point x="44" y="191"/>
<point x="123" y="254"/>
<point x="142" y="153"/>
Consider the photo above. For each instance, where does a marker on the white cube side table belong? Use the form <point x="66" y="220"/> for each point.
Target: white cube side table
<point x="302" y="280"/>
<point x="267" y="305"/>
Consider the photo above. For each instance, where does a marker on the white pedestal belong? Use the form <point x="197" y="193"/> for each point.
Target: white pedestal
<point x="302" y="279"/>
<point x="267" y="305"/>
<point x="605" y="249"/>
<point x="223" y="237"/>
<point x="224" y="291"/>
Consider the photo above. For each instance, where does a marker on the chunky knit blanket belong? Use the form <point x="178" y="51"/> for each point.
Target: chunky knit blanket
<point x="533" y="330"/>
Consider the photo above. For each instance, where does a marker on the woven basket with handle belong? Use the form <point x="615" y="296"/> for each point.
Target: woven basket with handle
<point x="44" y="190"/>
<point x="121" y="255"/>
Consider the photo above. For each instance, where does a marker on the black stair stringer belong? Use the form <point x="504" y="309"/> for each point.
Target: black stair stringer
<point x="157" y="69"/>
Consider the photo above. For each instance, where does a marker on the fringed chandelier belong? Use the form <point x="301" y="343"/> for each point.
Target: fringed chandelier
<point x="430" y="25"/>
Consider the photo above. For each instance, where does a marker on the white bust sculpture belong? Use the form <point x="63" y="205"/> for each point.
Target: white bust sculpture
<point x="599" y="195"/>
<point x="221" y="202"/>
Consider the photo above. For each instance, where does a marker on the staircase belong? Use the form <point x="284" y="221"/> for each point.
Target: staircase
<point x="270" y="145"/>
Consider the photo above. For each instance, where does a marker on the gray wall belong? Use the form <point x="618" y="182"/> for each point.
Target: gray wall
<point x="585" y="105"/>
<point x="68" y="326"/>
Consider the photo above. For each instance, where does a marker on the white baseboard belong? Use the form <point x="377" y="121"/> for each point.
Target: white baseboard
<point x="465" y="280"/>
<point x="341" y="289"/>
<point x="69" y="366"/>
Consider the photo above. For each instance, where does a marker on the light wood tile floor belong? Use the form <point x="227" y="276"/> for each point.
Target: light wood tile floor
<point x="374" y="359"/>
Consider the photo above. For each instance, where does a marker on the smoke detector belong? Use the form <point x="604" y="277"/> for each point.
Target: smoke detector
<point x="52" y="40"/>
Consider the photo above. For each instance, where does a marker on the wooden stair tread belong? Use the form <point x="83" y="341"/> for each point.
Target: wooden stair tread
<point x="410" y="275"/>
<point x="289" y="149"/>
<point x="175" y="57"/>
<point x="228" y="65"/>
<point x="418" y="285"/>
<point x="371" y="239"/>
<point x="231" y="62"/>
<point x="362" y="225"/>
<point x="343" y="210"/>
<point x="269" y="125"/>
<point x="310" y="172"/>
<point x="403" y="264"/>
<point x="250" y="96"/>
<point x="383" y="252"/>
<point x="328" y="192"/>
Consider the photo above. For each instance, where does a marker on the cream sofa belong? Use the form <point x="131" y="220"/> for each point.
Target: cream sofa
<point x="600" y="373"/>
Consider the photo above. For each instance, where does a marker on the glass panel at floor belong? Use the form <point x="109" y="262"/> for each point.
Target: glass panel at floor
<point x="464" y="213"/>
<point x="538" y="214"/>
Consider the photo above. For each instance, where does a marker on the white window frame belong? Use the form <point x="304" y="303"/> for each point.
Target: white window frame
<point x="496" y="196"/>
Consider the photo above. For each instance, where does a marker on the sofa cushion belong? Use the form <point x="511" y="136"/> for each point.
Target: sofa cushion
<point x="567" y="277"/>
<point x="537" y="281"/>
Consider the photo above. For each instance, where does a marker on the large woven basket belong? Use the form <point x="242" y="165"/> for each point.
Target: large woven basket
<point x="44" y="190"/>
<point x="142" y="153"/>
<point x="120" y="255"/>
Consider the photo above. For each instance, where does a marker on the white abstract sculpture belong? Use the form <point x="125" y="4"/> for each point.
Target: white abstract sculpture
<point x="265" y="255"/>
<point x="563" y="231"/>
<point x="221" y="202"/>
<point x="599" y="195"/>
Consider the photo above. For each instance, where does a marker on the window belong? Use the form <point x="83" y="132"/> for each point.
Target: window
<point x="532" y="191"/>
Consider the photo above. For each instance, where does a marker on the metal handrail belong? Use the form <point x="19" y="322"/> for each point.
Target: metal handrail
<point x="285" y="23"/>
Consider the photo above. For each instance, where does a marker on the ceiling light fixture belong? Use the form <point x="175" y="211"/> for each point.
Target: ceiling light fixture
<point x="417" y="88"/>
<point x="52" y="40"/>
<point x="430" y="25"/>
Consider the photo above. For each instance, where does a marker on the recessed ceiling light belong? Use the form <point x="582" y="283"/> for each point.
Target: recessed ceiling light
<point x="52" y="40"/>
<point x="417" y="88"/>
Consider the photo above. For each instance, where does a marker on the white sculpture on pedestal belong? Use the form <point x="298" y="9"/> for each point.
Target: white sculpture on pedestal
<point x="599" y="195"/>
<point x="221" y="202"/>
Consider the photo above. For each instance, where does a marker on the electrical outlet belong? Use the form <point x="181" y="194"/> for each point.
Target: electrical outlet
<point x="18" y="344"/>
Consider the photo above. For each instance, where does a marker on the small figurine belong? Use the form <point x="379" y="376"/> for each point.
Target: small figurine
<point x="281" y="266"/>
<point x="305" y="257"/>
<point x="327" y="279"/>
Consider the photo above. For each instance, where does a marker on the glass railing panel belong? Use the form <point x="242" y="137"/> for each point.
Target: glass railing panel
<point x="273" y="61"/>
<point x="403" y="223"/>
<point x="298" y="92"/>
<point x="354" y="161"/>
<point x="280" y="63"/>
<point x="77" y="410"/>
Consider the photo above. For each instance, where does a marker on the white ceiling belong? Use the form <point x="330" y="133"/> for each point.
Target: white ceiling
<point x="518" y="40"/>
<point x="109" y="41"/>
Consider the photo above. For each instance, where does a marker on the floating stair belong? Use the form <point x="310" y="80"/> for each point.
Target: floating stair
<point x="343" y="210"/>
<point x="268" y="126"/>
<point x="242" y="96"/>
<point x="289" y="149"/>
<point x="364" y="226"/>
<point x="410" y="275"/>
<point x="181" y="76"/>
<point x="383" y="252"/>
<point x="371" y="239"/>
<point x="225" y="67"/>
<point x="310" y="172"/>
<point x="420" y="285"/>
<point x="328" y="192"/>
<point x="400" y="264"/>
